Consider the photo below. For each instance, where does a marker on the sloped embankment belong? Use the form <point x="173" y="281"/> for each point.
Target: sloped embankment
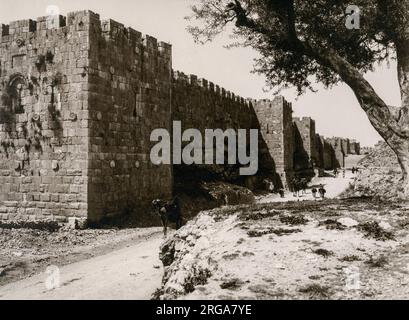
<point x="289" y="251"/>
<point x="380" y="175"/>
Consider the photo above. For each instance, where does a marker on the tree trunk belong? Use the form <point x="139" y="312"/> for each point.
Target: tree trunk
<point x="401" y="148"/>
<point x="400" y="145"/>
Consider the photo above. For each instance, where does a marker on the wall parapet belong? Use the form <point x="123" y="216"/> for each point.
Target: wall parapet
<point x="191" y="80"/>
<point x="80" y="21"/>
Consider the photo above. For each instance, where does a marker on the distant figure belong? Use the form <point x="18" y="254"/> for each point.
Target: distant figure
<point x="269" y="185"/>
<point x="314" y="192"/>
<point x="343" y="173"/>
<point x="353" y="170"/>
<point x="304" y="185"/>
<point x="168" y="211"/>
<point x="297" y="188"/>
<point x="294" y="186"/>
<point x="336" y="173"/>
<point x="322" y="192"/>
<point x="295" y="191"/>
<point x="281" y="192"/>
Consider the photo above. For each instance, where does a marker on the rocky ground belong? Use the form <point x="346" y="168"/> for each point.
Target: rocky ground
<point x="338" y="249"/>
<point x="352" y="247"/>
<point x="380" y="175"/>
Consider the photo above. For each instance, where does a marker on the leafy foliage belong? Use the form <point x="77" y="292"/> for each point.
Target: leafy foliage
<point x="276" y="28"/>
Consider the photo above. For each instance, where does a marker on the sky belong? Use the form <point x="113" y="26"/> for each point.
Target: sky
<point x="336" y="111"/>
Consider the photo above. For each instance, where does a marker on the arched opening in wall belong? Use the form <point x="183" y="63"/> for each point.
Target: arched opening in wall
<point x="15" y="92"/>
<point x="11" y="99"/>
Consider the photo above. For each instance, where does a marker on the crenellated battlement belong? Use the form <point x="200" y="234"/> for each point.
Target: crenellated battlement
<point x="73" y="19"/>
<point x="191" y="80"/>
<point x="305" y="120"/>
<point x="277" y="102"/>
<point x="82" y="21"/>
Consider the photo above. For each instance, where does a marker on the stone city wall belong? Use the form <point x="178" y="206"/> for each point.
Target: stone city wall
<point x="80" y="98"/>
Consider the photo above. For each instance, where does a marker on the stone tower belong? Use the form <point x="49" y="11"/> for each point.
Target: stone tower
<point x="79" y="99"/>
<point x="275" y="119"/>
<point x="305" y="129"/>
<point x="338" y="152"/>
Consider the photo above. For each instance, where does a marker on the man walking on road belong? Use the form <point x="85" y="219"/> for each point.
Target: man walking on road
<point x="322" y="192"/>
<point x="314" y="192"/>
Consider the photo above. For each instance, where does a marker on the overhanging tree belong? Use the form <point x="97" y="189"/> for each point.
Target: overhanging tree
<point x="301" y="42"/>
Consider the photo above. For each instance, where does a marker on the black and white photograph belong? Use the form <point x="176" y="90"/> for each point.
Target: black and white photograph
<point x="204" y="150"/>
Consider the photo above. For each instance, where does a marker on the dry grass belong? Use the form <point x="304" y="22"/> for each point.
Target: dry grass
<point x="316" y="291"/>
<point x="379" y="262"/>
<point x="296" y="220"/>
<point x="332" y="225"/>
<point x="323" y="252"/>
<point x="232" y="284"/>
<point x="279" y="232"/>
<point x="374" y="230"/>
<point x="351" y="258"/>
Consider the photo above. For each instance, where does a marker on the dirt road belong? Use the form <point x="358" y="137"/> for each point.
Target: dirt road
<point x="334" y="187"/>
<point x="134" y="272"/>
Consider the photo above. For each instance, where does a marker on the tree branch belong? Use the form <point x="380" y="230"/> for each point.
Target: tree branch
<point x="377" y="110"/>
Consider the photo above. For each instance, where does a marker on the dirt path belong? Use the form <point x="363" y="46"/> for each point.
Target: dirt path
<point x="134" y="272"/>
<point x="334" y="187"/>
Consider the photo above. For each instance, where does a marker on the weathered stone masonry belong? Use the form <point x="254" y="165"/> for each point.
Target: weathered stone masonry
<point x="79" y="100"/>
<point x="129" y="96"/>
<point x="201" y="104"/>
<point x="305" y="155"/>
<point x="275" y="118"/>
<point x="44" y="119"/>
<point x="339" y="146"/>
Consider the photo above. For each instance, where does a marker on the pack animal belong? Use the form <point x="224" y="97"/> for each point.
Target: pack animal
<point x="169" y="211"/>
